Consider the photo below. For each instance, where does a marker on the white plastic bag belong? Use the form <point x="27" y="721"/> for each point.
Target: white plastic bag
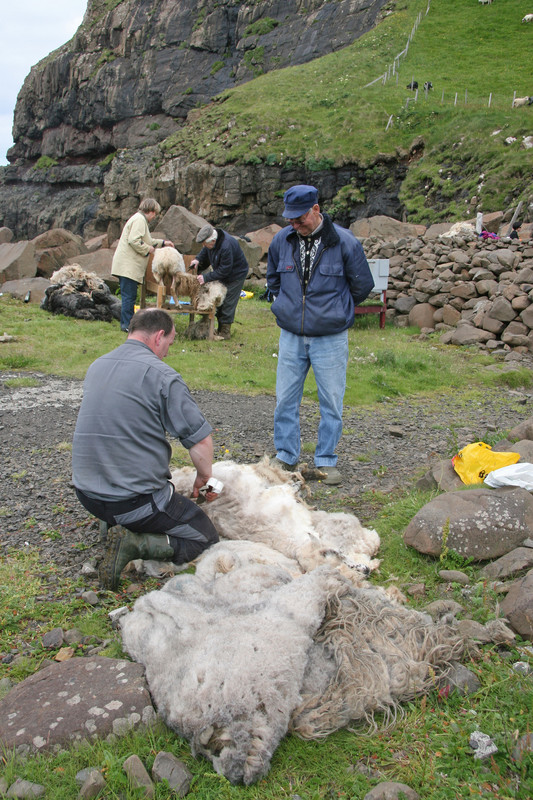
<point x="514" y="475"/>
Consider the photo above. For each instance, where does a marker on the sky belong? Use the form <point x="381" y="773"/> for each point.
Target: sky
<point x="30" y="29"/>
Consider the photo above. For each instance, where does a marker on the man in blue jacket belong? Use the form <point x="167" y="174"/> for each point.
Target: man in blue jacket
<point x="318" y="273"/>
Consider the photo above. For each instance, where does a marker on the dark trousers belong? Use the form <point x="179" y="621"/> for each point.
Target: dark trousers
<point x="189" y="529"/>
<point x="226" y="312"/>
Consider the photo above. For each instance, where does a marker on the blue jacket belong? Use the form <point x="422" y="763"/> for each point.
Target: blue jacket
<point x="339" y="280"/>
<point x="227" y="259"/>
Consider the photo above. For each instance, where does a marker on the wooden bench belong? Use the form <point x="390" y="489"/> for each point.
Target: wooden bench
<point x="168" y="301"/>
<point x="379" y="267"/>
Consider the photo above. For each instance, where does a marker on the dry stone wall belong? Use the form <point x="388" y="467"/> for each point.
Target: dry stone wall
<point x="474" y="291"/>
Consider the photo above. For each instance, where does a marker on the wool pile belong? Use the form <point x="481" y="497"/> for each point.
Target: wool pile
<point x="278" y="630"/>
<point x="80" y="294"/>
<point x="236" y="660"/>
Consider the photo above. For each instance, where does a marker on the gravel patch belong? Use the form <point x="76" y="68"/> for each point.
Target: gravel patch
<point x="383" y="450"/>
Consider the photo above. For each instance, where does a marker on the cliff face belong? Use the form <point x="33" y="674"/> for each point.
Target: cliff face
<point x="127" y="79"/>
<point x="132" y="73"/>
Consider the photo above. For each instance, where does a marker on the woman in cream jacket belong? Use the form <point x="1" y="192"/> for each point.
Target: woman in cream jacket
<point x="131" y="256"/>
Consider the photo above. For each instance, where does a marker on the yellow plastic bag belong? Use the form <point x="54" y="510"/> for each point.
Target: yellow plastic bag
<point x="474" y="462"/>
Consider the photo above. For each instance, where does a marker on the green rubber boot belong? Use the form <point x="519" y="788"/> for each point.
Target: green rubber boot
<point x="123" y="546"/>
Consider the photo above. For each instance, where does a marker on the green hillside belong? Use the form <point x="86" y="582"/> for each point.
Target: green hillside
<point x="320" y="114"/>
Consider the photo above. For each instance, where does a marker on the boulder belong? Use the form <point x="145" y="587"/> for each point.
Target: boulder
<point x="252" y="252"/>
<point x="518" y="606"/>
<point x="97" y="242"/>
<point x="525" y="448"/>
<point x="264" y="236"/>
<point x="17" y="261"/>
<point x="54" y="247"/>
<point x="27" y="717"/>
<point x="524" y="430"/>
<point x="6" y="235"/>
<point x="441" y="476"/>
<point x="385" y="228"/>
<point x="181" y="226"/>
<point x="476" y="523"/>
<point x="468" y="334"/>
<point x="492" y="221"/>
<point x="421" y="316"/>
<point x="19" y="289"/>
<point x="517" y="560"/>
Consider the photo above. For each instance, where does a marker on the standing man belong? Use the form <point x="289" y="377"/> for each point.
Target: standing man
<point x="120" y="453"/>
<point x="318" y="272"/>
<point x="131" y="256"/>
<point x="223" y="253"/>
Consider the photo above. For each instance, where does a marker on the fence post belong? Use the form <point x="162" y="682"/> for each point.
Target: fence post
<point x="515" y="215"/>
<point x="514" y="96"/>
<point x="389" y="123"/>
<point x="455" y="101"/>
<point x="490" y="99"/>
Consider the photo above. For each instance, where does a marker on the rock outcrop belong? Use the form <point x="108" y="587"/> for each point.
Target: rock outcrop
<point x="129" y="78"/>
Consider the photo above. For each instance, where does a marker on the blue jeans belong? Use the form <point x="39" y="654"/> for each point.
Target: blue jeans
<point x="128" y="294"/>
<point x="328" y="356"/>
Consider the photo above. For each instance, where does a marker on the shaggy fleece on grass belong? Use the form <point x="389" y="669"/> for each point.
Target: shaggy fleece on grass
<point x="235" y="659"/>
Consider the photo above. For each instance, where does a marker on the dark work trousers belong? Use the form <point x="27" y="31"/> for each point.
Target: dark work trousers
<point x="226" y="312"/>
<point x="166" y="512"/>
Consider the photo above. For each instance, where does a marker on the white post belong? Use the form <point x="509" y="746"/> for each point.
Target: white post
<point x="490" y="99"/>
<point x="455" y="101"/>
<point x="512" y="102"/>
<point x="466" y="95"/>
<point x="479" y="222"/>
<point x="389" y="123"/>
<point x="416" y="95"/>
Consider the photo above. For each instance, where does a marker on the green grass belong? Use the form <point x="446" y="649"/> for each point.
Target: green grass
<point x="383" y="364"/>
<point x="428" y="748"/>
<point x="320" y="115"/>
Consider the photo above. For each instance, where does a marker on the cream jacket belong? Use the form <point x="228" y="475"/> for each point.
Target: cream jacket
<point x="131" y="256"/>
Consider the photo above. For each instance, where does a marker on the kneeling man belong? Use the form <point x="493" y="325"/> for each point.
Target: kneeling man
<point x="121" y="454"/>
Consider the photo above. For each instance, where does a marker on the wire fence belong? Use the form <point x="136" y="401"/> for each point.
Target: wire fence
<point x="453" y="98"/>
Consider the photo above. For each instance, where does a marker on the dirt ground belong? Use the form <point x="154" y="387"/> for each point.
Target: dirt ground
<point x="382" y="451"/>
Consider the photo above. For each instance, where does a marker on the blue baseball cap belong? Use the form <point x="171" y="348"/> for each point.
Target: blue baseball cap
<point x="298" y="200"/>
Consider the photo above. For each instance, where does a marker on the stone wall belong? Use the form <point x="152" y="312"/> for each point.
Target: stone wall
<point x="475" y="291"/>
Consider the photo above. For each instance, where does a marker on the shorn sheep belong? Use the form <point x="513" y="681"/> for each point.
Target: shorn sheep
<point x="528" y="18"/>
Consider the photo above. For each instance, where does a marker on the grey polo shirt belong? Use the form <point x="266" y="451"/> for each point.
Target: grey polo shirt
<point x="130" y="399"/>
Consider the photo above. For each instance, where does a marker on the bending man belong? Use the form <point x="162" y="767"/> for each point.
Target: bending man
<point x="121" y="455"/>
<point x="223" y="253"/>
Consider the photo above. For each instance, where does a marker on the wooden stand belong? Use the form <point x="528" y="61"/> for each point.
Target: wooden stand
<point x="164" y="295"/>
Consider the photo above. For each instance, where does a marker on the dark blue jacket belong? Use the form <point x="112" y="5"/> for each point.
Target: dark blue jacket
<point x="227" y="259"/>
<point x="340" y="279"/>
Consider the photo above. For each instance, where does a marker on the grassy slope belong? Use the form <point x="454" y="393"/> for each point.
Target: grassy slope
<point x="320" y="114"/>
